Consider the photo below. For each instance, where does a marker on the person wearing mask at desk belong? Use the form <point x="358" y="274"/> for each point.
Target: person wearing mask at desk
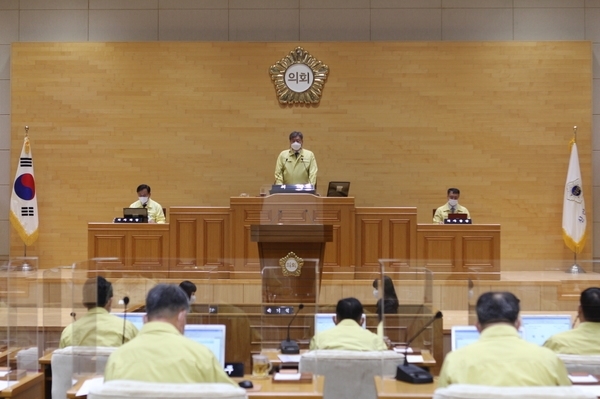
<point x="155" y="210"/>
<point x="450" y="207"/>
<point x="97" y="327"/>
<point x="585" y="339"/>
<point x="160" y="352"/>
<point x="190" y="290"/>
<point x="500" y="357"/>
<point x="348" y="333"/>
<point x="296" y="165"/>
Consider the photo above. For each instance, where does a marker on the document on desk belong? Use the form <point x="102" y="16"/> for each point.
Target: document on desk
<point x="289" y="358"/>
<point x="414" y="358"/>
<point x="89" y="384"/>
<point x="583" y="379"/>
<point x="287" y="377"/>
<point x="6" y="384"/>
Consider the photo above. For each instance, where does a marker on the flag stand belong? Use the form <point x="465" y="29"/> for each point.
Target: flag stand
<point x="25" y="266"/>
<point x="575" y="268"/>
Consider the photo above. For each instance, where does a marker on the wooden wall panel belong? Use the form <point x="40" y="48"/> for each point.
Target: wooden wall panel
<point x="200" y="122"/>
<point x="201" y="242"/>
<point x="385" y="233"/>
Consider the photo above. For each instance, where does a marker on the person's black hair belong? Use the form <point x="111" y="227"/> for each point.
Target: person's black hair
<point x="142" y="187"/>
<point x="451" y="190"/>
<point x="188" y="287"/>
<point x="390" y="299"/>
<point x="166" y="301"/>
<point x="293" y="135"/>
<point x="349" y="308"/>
<point x="590" y="304"/>
<point x="497" y="307"/>
<point x="97" y="291"/>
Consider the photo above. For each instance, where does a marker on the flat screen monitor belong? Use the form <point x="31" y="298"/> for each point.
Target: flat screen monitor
<point x="324" y="321"/>
<point x="538" y="328"/>
<point x="464" y="335"/>
<point x="137" y="319"/>
<point x="338" y="189"/>
<point x="461" y="336"/>
<point x="135" y="213"/>
<point x="210" y="335"/>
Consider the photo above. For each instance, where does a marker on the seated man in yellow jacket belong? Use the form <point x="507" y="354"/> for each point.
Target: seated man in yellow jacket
<point x="500" y="357"/>
<point x="585" y="339"/>
<point x="160" y="352"/>
<point x="155" y="210"/>
<point x="98" y="327"/>
<point x="450" y="207"/>
<point x="348" y="333"/>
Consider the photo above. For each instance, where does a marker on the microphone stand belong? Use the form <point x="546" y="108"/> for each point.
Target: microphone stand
<point x="125" y="303"/>
<point x="409" y="372"/>
<point x="289" y="347"/>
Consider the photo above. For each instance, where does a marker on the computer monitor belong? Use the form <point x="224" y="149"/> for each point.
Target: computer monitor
<point x="461" y="336"/>
<point x="538" y="328"/>
<point x="464" y="335"/>
<point x="137" y="319"/>
<point x="135" y="213"/>
<point x="338" y="188"/>
<point x="210" y="335"/>
<point x="324" y="321"/>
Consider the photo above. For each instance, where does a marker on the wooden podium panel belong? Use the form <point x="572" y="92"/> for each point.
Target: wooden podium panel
<point x="293" y="209"/>
<point x="142" y="247"/>
<point x="384" y="233"/>
<point x="278" y="241"/>
<point x="457" y="251"/>
<point x="200" y="242"/>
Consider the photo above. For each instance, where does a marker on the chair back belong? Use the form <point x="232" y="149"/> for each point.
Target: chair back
<point x="581" y="363"/>
<point x="466" y="391"/>
<point x="350" y="374"/>
<point x="28" y="359"/>
<point x="72" y="360"/>
<point x="124" y="389"/>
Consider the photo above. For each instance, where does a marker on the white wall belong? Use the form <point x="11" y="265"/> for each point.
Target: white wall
<point x="290" y="20"/>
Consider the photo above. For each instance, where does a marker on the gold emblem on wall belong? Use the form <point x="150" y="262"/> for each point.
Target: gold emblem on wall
<point x="299" y="78"/>
<point x="291" y="264"/>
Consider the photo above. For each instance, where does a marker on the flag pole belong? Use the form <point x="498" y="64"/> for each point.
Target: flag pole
<point x="575" y="268"/>
<point x="25" y="266"/>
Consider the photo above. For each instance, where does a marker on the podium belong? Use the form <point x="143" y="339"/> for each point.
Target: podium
<point x="291" y="260"/>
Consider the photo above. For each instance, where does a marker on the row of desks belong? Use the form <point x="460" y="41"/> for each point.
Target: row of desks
<point x="387" y="388"/>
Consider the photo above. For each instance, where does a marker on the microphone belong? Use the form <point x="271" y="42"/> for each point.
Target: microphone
<point x="289" y="347"/>
<point x="125" y="303"/>
<point x="409" y="372"/>
<point x="73" y="315"/>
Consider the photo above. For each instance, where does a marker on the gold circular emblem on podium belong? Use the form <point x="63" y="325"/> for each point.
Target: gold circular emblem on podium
<point x="291" y="264"/>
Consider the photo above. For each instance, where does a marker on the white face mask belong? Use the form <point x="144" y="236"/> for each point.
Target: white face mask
<point x="296" y="146"/>
<point x="376" y="293"/>
<point x="453" y="202"/>
<point x="143" y="200"/>
<point x="192" y="299"/>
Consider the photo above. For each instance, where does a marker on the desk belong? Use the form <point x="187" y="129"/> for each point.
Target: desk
<point x="428" y="360"/>
<point x="29" y="387"/>
<point x="268" y="389"/>
<point x="46" y="369"/>
<point x="389" y="388"/>
<point x="289" y="390"/>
